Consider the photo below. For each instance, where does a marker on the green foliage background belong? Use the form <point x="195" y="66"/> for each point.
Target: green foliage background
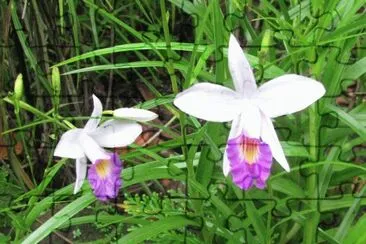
<point x="113" y="47"/>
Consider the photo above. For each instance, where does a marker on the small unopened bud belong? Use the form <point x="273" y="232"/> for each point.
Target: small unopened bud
<point x="56" y="87"/>
<point x="167" y="16"/>
<point x="19" y="87"/>
<point x="266" y="41"/>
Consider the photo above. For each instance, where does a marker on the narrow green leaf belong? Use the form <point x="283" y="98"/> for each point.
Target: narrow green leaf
<point x="59" y="218"/>
<point x="288" y="187"/>
<point x="256" y="220"/>
<point x="349" y="120"/>
<point x="103" y="219"/>
<point x="351" y="214"/>
<point x="151" y="230"/>
<point x="357" y="233"/>
<point x="355" y="70"/>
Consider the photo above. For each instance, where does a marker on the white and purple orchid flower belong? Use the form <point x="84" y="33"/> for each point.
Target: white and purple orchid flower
<point x="252" y="139"/>
<point x="88" y="143"/>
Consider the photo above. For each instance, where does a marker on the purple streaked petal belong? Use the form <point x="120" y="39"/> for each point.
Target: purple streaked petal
<point x="246" y="184"/>
<point x="104" y="177"/>
<point x="260" y="184"/>
<point x="250" y="161"/>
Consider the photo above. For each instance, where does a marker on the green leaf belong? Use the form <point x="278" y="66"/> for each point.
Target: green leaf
<point x="103" y="219"/>
<point x="342" y="31"/>
<point x="357" y="233"/>
<point x="256" y="220"/>
<point x="351" y="214"/>
<point x="288" y="187"/>
<point x="151" y="230"/>
<point x="59" y="218"/>
<point x="349" y="120"/>
<point x="339" y="202"/>
<point x="294" y="149"/>
<point x="355" y="70"/>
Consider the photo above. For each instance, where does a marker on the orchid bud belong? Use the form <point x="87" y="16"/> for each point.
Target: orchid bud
<point x="56" y="81"/>
<point x="56" y="87"/>
<point x="266" y="43"/>
<point x="19" y="87"/>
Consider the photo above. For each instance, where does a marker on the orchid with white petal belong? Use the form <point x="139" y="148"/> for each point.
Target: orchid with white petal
<point x="252" y="139"/>
<point x="88" y="142"/>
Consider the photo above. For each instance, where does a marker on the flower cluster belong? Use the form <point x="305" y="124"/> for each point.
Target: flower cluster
<point x="252" y="139"/>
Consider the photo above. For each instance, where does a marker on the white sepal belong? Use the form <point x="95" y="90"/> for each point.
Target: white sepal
<point x="288" y="94"/>
<point x="209" y="102"/>
<point x="269" y="136"/>
<point x="68" y="146"/>
<point x="80" y="173"/>
<point x="116" y="133"/>
<point x="95" y="117"/>
<point x="240" y="69"/>
<point x="136" y="114"/>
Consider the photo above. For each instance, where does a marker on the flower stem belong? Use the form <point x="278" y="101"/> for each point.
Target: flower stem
<point x="311" y="223"/>
<point x="22" y="136"/>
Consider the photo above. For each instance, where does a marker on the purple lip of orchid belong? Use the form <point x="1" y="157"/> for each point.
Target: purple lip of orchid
<point x="250" y="161"/>
<point x="104" y="177"/>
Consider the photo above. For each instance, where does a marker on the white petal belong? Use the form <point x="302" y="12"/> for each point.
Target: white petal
<point x="68" y="146"/>
<point x="80" y="173"/>
<point x="92" y="150"/>
<point x="209" y="102"/>
<point x="288" y="94"/>
<point x="251" y="120"/>
<point x="135" y="114"/>
<point x="116" y="133"/>
<point x="240" y="69"/>
<point x="94" y="120"/>
<point x="269" y="136"/>
<point x="235" y="131"/>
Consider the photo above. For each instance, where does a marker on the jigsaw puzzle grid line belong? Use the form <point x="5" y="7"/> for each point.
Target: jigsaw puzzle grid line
<point x="282" y="210"/>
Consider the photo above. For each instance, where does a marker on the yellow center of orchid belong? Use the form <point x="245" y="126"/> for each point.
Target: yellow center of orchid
<point x="250" y="150"/>
<point x="103" y="168"/>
